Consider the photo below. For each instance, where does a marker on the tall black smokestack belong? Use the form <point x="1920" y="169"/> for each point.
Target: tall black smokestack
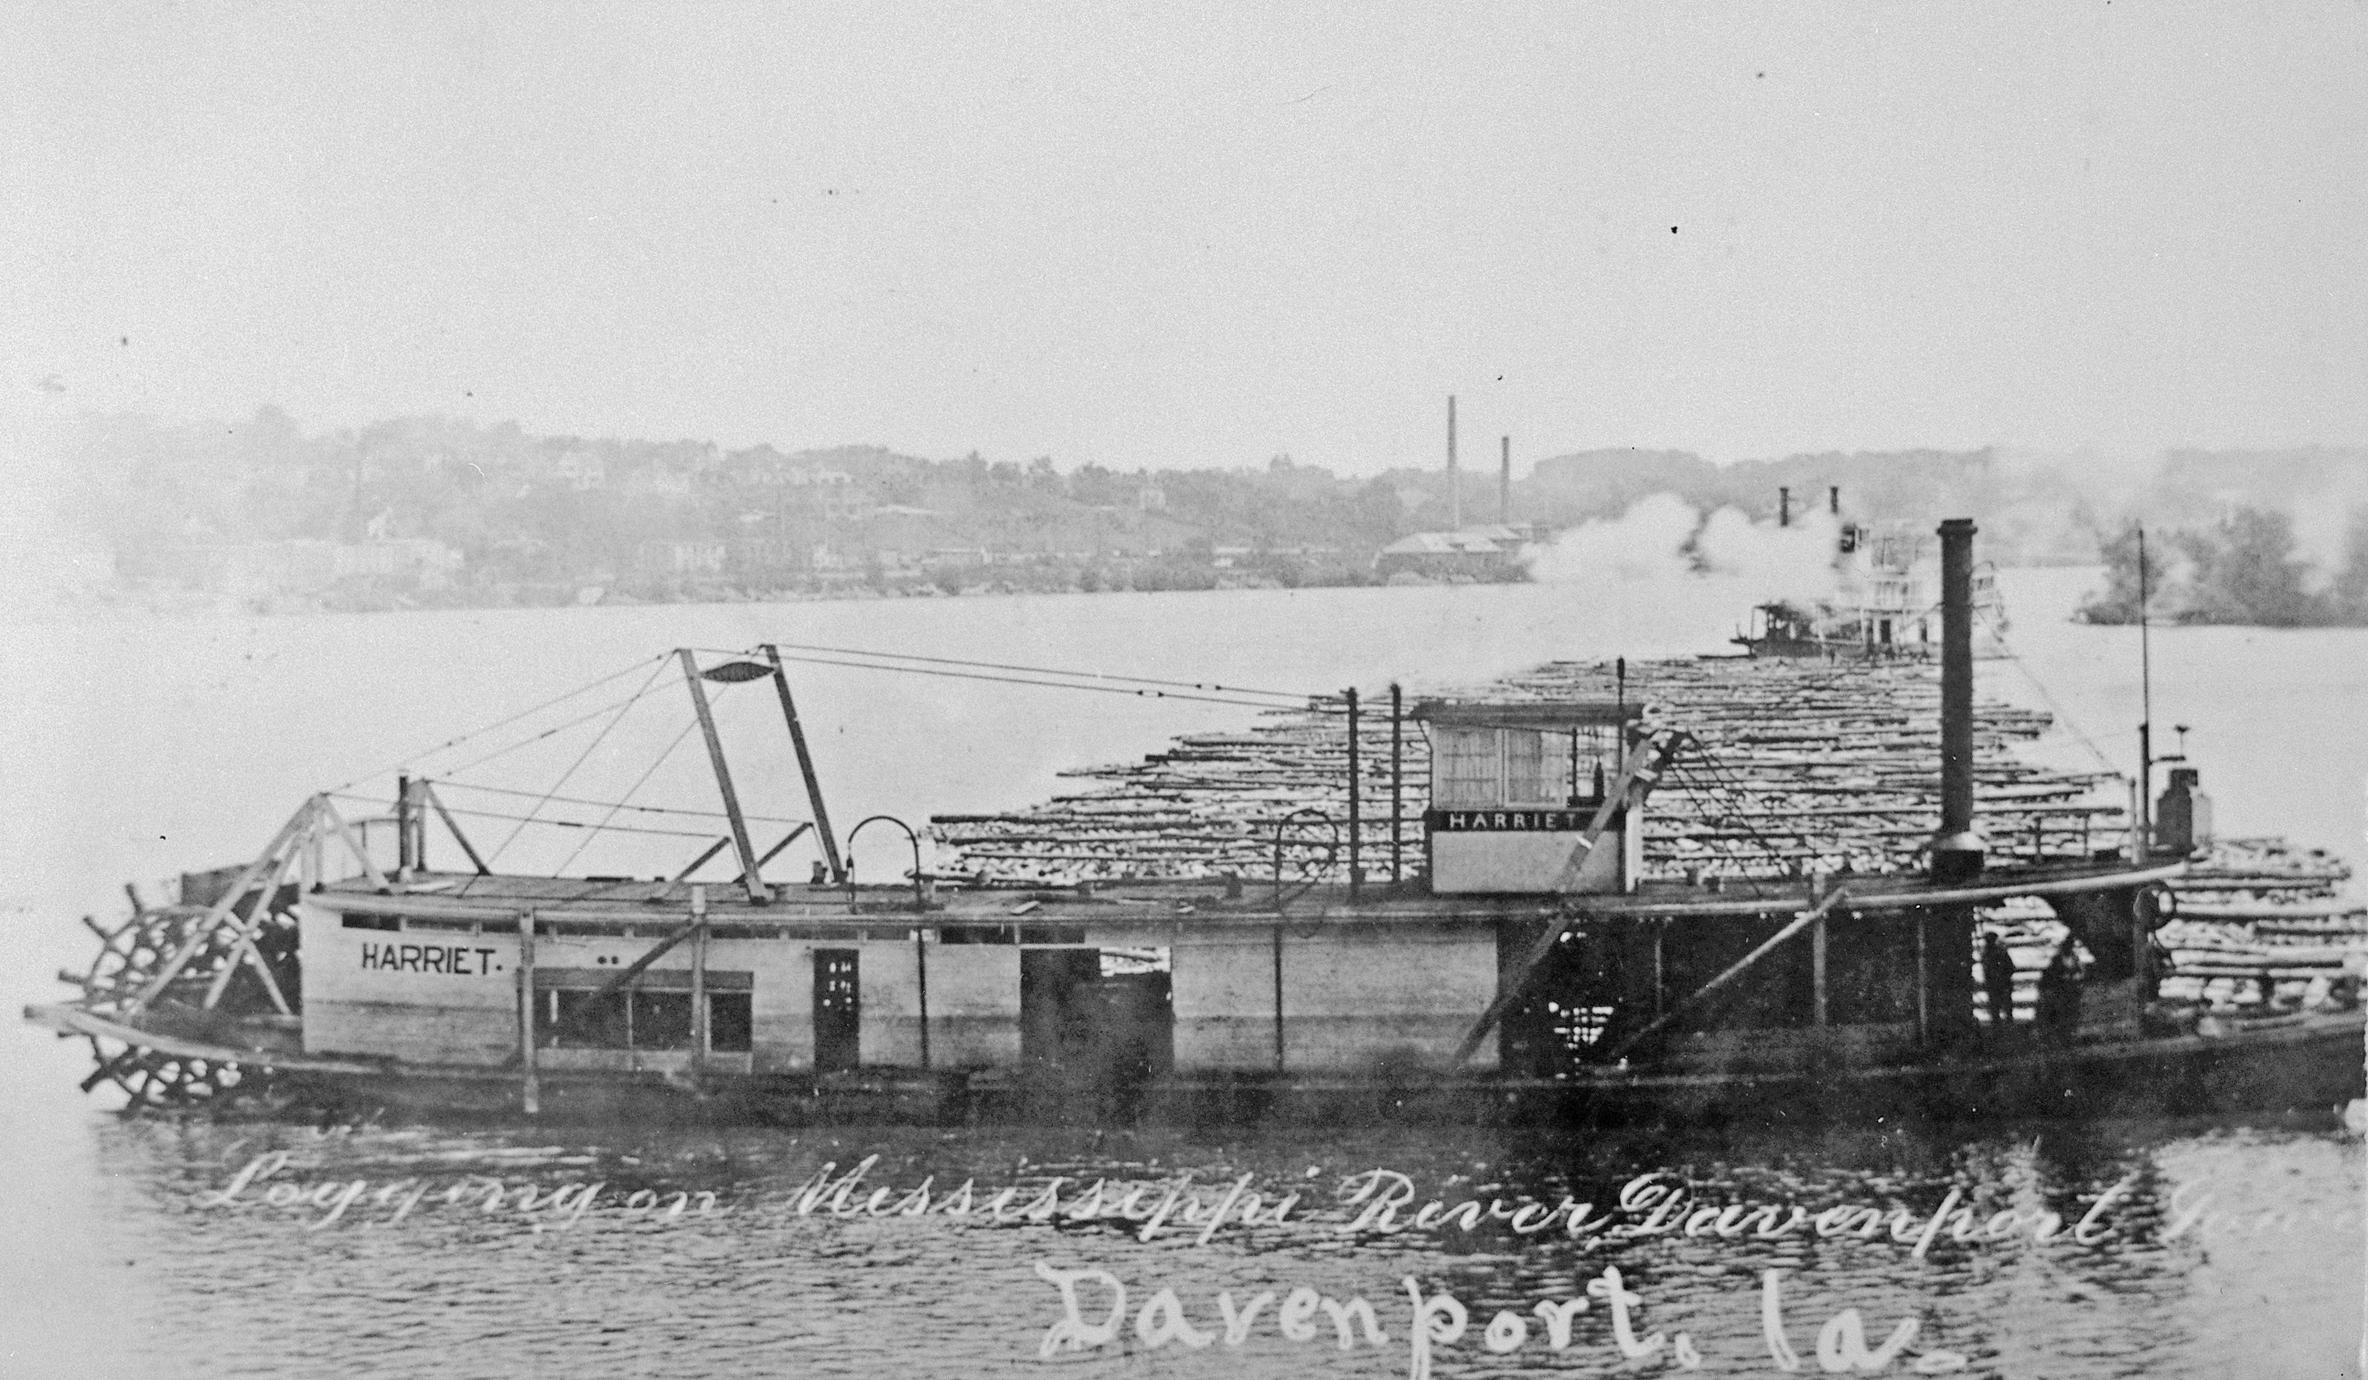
<point x="1455" y="492"/>
<point x="1784" y="507"/>
<point x="1833" y="499"/>
<point x="1504" y="486"/>
<point x="1956" y="849"/>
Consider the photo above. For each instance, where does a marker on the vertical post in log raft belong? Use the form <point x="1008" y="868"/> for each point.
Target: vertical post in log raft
<point x="921" y="986"/>
<point x="1817" y="969"/>
<point x="1397" y="782"/>
<point x="1956" y="848"/>
<point x="1356" y="829"/>
<point x="699" y="1021"/>
<point x="530" y="1092"/>
<point x="1923" y="982"/>
<point x="757" y="892"/>
<point x="1278" y="995"/>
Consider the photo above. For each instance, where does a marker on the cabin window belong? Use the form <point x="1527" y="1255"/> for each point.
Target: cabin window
<point x="572" y="1012"/>
<point x="370" y="922"/>
<point x="1526" y="777"/>
<point x="1534" y="767"/>
<point x="1466" y="768"/>
<point x="582" y="1020"/>
<point x="730" y="1022"/>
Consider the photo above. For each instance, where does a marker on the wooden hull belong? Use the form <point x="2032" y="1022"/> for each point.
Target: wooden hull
<point x="2310" y="1064"/>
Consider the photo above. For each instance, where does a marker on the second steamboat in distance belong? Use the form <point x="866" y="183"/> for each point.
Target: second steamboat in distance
<point x="1741" y="889"/>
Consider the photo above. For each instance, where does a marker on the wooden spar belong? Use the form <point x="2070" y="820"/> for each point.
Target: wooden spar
<point x="353" y="844"/>
<point x="419" y="825"/>
<point x="701" y="861"/>
<point x="428" y="789"/>
<point x="625" y="975"/>
<point x="1356" y="825"/>
<point x="757" y="892"/>
<point x="1397" y="780"/>
<point x="1635" y="779"/>
<point x="403" y="862"/>
<point x="243" y="939"/>
<point x="530" y="1093"/>
<point x="695" y="926"/>
<point x="1801" y="922"/>
<point x="797" y="740"/>
<point x="1646" y="761"/>
<point x="699" y="935"/>
<point x="774" y="851"/>
<point x="202" y="932"/>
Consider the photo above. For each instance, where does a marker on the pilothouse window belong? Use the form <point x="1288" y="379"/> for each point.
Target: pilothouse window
<point x="1474" y="767"/>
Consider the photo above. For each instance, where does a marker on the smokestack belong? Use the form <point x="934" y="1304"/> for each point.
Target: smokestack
<point x="1455" y="492"/>
<point x="1833" y="499"/>
<point x="1784" y="507"/>
<point x="1956" y="849"/>
<point x="1504" y="486"/>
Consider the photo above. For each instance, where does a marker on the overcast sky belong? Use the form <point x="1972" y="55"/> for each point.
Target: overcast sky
<point x="1175" y="235"/>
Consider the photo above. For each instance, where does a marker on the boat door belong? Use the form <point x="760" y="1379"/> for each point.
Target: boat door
<point x="1057" y="1006"/>
<point x="1095" y="1020"/>
<point x="838" y="1010"/>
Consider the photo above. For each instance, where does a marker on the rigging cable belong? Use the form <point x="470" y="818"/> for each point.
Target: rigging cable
<point x="1043" y="684"/>
<point x="638" y="809"/>
<point x="638" y="783"/>
<point x="2070" y="724"/>
<point x="498" y="723"/>
<point x="475" y="762"/>
<point x="589" y="749"/>
<point x="1210" y="686"/>
<point x="546" y="821"/>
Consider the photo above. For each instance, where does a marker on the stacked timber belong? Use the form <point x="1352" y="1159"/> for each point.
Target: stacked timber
<point x="2262" y="923"/>
<point x="1797" y="767"/>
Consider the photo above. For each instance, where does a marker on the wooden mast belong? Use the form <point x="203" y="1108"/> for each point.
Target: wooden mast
<point x="757" y="891"/>
<point x="797" y="740"/>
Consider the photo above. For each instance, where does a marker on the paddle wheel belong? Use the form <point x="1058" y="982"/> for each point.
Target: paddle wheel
<point x="216" y="971"/>
<point x="130" y="957"/>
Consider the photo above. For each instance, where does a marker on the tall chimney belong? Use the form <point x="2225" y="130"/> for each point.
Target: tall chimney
<point x="1784" y="507"/>
<point x="1455" y="484"/>
<point x="1956" y="849"/>
<point x="1504" y="486"/>
<point x="1833" y="499"/>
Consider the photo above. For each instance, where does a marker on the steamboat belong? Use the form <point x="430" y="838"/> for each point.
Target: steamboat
<point x="1882" y="604"/>
<point x="1730" y="889"/>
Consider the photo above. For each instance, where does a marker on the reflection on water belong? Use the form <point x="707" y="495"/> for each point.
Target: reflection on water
<point x="373" y="1249"/>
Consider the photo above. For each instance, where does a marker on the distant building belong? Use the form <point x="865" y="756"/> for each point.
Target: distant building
<point x="681" y="559"/>
<point x="1474" y="553"/>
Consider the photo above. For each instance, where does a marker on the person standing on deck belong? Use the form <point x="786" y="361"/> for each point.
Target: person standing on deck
<point x="1998" y="979"/>
<point x="2059" y="994"/>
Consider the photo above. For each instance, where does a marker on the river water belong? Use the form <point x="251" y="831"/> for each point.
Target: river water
<point x="139" y="746"/>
